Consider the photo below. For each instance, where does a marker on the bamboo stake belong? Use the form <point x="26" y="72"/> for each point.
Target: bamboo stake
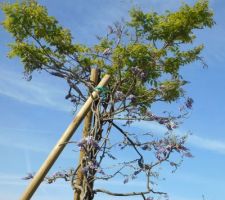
<point x="86" y="129"/>
<point x="54" y="154"/>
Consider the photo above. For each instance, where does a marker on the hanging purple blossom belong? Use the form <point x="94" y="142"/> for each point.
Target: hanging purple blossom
<point x="145" y="147"/>
<point x="132" y="98"/>
<point x="119" y="95"/>
<point x="29" y="176"/>
<point x="91" y="141"/>
<point x="85" y="170"/>
<point x="189" y="102"/>
<point x="126" y="180"/>
<point x="81" y="144"/>
<point x="136" y="70"/>
<point x="139" y="72"/>
<point x="188" y="154"/>
<point x="171" y="125"/>
<point x="93" y="165"/>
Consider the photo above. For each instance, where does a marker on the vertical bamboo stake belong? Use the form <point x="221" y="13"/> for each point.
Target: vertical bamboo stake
<point x="87" y="127"/>
<point x="54" y="154"/>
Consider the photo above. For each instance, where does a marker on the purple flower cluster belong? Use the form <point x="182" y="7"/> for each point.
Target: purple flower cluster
<point x="92" y="165"/>
<point x="62" y="175"/>
<point x="183" y="150"/>
<point x="163" y="147"/>
<point x="59" y="174"/>
<point x="131" y="176"/>
<point x="126" y="180"/>
<point x="162" y="152"/>
<point x="139" y="72"/>
<point x="146" y="147"/>
<point x="189" y="103"/>
<point x="89" y="140"/>
<point x="66" y="175"/>
<point x="170" y="125"/>
<point x="167" y="145"/>
<point x="132" y="98"/>
<point x="29" y="176"/>
<point x="85" y="170"/>
<point x="81" y="144"/>
<point x="119" y="95"/>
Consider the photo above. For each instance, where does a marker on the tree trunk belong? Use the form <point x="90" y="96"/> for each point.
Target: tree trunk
<point x="79" y="182"/>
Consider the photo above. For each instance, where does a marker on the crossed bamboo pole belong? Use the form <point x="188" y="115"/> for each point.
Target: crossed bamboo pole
<point x="54" y="154"/>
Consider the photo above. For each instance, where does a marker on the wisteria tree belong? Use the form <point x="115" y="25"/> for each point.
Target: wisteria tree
<point x="143" y="56"/>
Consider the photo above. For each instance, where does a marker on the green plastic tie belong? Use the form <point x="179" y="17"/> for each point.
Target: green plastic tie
<point x="101" y="88"/>
<point x="103" y="91"/>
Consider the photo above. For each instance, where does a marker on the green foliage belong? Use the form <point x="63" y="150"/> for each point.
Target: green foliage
<point x="144" y="60"/>
<point x="39" y="39"/>
<point x="29" y="19"/>
<point x="173" y="26"/>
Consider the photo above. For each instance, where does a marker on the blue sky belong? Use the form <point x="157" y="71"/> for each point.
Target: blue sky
<point x="34" y="114"/>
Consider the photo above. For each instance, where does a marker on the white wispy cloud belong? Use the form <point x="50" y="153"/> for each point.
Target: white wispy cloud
<point x="31" y="141"/>
<point x="14" y="182"/>
<point x="18" y="139"/>
<point x="36" y="93"/>
<point x="207" y="143"/>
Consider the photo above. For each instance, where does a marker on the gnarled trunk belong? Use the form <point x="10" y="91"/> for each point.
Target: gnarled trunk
<point x="83" y="189"/>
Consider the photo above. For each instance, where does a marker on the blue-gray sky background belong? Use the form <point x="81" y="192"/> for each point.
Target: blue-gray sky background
<point x="34" y="114"/>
